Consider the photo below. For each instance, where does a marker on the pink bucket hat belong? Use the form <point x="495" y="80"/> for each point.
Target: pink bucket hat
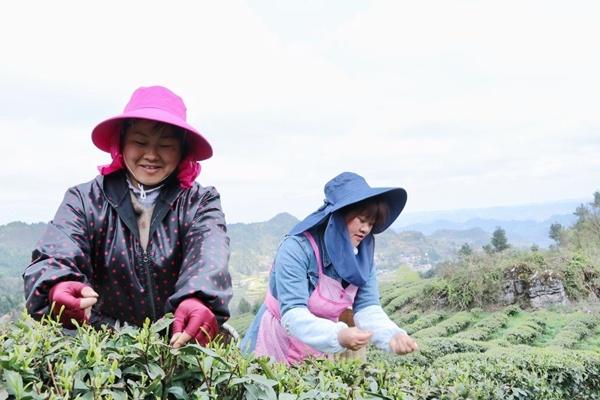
<point x="155" y="103"/>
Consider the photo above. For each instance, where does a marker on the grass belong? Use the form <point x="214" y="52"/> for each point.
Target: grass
<point x="241" y="322"/>
<point x="592" y="342"/>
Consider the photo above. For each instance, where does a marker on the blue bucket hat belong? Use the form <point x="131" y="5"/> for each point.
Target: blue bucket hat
<point x="349" y="188"/>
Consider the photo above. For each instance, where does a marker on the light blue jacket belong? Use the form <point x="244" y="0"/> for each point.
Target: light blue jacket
<point x="292" y="280"/>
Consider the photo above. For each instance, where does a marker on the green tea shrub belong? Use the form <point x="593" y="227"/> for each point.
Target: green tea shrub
<point x="486" y="328"/>
<point x="526" y="331"/>
<point x="581" y="277"/>
<point x="41" y="361"/>
<point x="404" y="295"/>
<point x="405" y="319"/>
<point x="512" y="310"/>
<point x="526" y="372"/>
<point x="454" y="324"/>
<point x="578" y="327"/>
<point x="425" y="321"/>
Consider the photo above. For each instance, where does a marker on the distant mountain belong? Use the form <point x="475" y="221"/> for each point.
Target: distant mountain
<point x="418" y="239"/>
<point x="253" y="245"/>
<point x="475" y="237"/>
<point x="524" y="224"/>
<point x="17" y="240"/>
<point x="19" y="235"/>
<point x="536" y="212"/>
<point x="519" y="233"/>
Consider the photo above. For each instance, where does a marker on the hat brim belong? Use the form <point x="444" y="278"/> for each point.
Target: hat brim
<point x="395" y="199"/>
<point x="198" y="147"/>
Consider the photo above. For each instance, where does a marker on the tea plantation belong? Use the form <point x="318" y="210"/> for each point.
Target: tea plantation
<point x="508" y="353"/>
<point x="480" y="337"/>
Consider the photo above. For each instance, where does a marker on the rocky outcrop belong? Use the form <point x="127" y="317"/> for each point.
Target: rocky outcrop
<point x="546" y="289"/>
<point x="542" y="289"/>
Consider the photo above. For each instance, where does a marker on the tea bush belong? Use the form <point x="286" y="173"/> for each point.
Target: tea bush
<point x="578" y="327"/>
<point x="426" y="321"/>
<point x="39" y="360"/>
<point x="526" y="331"/>
<point x="486" y="328"/>
<point x="454" y="324"/>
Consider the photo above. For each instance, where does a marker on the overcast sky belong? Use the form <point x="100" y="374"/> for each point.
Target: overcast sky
<point x="463" y="103"/>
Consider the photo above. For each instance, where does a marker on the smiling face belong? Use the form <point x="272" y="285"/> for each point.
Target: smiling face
<point x="151" y="151"/>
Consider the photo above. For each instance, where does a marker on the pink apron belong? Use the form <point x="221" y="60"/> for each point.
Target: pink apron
<point x="328" y="300"/>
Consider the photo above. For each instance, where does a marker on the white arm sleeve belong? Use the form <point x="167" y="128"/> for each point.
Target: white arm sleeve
<point x="374" y="319"/>
<point x="319" y="333"/>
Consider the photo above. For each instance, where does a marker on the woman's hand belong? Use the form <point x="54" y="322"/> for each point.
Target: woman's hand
<point x="77" y="299"/>
<point x="193" y="320"/>
<point x="403" y="344"/>
<point x="354" y="338"/>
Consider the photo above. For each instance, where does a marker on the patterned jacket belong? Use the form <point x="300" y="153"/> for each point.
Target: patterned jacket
<point x="94" y="239"/>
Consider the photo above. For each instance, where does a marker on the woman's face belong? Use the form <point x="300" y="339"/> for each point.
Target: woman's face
<point x="359" y="227"/>
<point x="151" y="153"/>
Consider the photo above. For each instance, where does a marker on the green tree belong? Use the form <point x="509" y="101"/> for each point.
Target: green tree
<point x="586" y="230"/>
<point x="535" y="248"/>
<point x="488" y="249"/>
<point x="244" y="306"/>
<point x="499" y="241"/>
<point x="596" y="203"/>
<point x="465" y="250"/>
<point x="556" y="233"/>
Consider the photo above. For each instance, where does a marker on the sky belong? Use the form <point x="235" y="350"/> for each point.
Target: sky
<point x="465" y="104"/>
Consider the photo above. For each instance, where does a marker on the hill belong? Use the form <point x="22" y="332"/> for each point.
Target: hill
<point x="17" y="240"/>
<point x="253" y="246"/>
<point x="482" y="323"/>
<point x="525" y="212"/>
<point x="522" y="233"/>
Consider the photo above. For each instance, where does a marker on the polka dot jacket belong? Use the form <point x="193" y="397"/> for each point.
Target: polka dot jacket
<point x="94" y="239"/>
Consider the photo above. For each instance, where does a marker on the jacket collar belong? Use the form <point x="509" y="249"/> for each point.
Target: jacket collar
<point x="116" y="191"/>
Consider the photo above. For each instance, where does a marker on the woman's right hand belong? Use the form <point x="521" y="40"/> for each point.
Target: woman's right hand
<point x="77" y="299"/>
<point x="354" y="338"/>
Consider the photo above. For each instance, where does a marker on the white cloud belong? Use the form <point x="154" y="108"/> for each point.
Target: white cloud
<point x="465" y="104"/>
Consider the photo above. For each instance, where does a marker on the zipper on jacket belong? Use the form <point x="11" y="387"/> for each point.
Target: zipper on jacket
<point x="146" y="262"/>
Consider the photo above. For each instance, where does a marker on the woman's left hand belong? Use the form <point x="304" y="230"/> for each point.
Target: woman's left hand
<point x="193" y="320"/>
<point x="401" y="343"/>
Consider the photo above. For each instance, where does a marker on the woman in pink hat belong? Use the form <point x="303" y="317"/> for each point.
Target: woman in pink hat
<point x="143" y="238"/>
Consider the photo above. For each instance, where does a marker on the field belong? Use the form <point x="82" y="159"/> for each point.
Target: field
<point x="508" y="353"/>
<point x="471" y="347"/>
<point x="497" y="353"/>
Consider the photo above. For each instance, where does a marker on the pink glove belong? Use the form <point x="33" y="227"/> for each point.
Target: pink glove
<point x="193" y="320"/>
<point x="77" y="299"/>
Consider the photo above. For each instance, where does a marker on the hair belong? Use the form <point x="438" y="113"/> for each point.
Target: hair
<point x="187" y="170"/>
<point x="374" y="209"/>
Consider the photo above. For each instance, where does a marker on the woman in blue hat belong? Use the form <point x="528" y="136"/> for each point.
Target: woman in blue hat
<point x="323" y="267"/>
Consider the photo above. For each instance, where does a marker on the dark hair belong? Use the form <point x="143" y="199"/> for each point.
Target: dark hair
<point x="375" y="209"/>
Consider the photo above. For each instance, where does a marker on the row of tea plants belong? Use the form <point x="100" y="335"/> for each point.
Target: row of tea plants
<point x="39" y="360"/>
